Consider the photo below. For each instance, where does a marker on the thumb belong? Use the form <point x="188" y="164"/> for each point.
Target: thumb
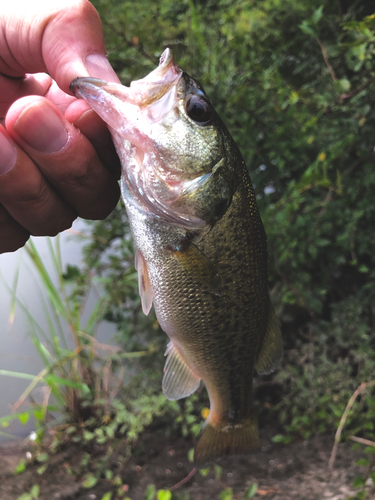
<point x="61" y="37"/>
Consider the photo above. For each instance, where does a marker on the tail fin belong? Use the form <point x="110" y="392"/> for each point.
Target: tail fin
<point x="218" y="440"/>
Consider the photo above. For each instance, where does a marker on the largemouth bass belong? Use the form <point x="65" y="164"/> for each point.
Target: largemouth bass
<point x="200" y="245"/>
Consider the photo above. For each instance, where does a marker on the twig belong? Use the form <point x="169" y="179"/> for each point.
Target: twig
<point x="360" y="390"/>
<point x="185" y="480"/>
<point x="357" y="90"/>
<point x="131" y="44"/>
<point x="366" y="442"/>
<point x="325" y="57"/>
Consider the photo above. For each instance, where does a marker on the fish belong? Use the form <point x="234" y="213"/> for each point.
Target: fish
<point x="200" y="246"/>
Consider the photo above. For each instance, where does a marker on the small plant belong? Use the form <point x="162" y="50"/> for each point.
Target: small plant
<point x="81" y="383"/>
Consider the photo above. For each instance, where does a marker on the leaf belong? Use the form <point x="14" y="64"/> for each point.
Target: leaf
<point x="318" y="14"/>
<point x="9" y="373"/>
<point x="35" y="489"/>
<point x="150" y="492"/>
<point x="226" y="494"/>
<point x="364" y="461"/>
<point x="89" y="481"/>
<point x="42" y="469"/>
<point x="204" y="472"/>
<point x="251" y="491"/>
<point x="42" y="457"/>
<point x="25" y="496"/>
<point x="308" y="29"/>
<point x="107" y="496"/>
<point x="191" y="455"/>
<point x="358" y="482"/>
<point x="24" y="417"/>
<point x="218" y="471"/>
<point x="164" y="495"/>
<point x="54" y="379"/>
<point x="21" y="467"/>
<point x="71" y="273"/>
<point x="278" y="438"/>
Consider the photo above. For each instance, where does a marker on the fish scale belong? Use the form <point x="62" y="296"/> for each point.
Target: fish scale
<point x="200" y="243"/>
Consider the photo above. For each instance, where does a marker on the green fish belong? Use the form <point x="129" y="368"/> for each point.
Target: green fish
<point x="201" y="251"/>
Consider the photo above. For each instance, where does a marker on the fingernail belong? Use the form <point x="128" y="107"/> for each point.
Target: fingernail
<point x="98" y="66"/>
<point x="8" y="154"/>
<point x="41" y="128"/>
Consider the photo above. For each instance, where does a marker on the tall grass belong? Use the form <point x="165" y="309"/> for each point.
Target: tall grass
<point x="81" y="376"/>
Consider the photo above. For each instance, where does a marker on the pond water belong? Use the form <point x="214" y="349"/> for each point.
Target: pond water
<point x="17" y="351"/>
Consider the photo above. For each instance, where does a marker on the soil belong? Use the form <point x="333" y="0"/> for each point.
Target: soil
<point x="282" y="472"/>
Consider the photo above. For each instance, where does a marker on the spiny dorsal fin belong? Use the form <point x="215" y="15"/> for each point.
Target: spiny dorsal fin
<point x="272" y="349"/>
<point x="144" y="283"/>
<point x="178" y="381"/>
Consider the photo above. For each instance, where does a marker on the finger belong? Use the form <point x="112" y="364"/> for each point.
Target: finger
<point x="27" y="196"/>
<point x="92" y="126"/>
<point x="14" y="88"/>
<point x="13" y="236"/>
<point x="65" y="157"/>
<point x="64" y="39"/>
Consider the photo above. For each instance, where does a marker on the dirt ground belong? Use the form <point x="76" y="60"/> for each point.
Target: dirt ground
<point x="296" y="471"/>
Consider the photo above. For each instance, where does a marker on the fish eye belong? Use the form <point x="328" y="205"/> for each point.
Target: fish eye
<point x="198" y="109"/>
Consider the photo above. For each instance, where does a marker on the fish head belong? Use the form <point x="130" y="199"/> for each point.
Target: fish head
<point x="176" y="154"/>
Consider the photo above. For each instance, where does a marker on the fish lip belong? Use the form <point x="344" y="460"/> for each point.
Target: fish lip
<point x="85" y="82"/>
<point x="140" y="92"/>
<point x="167" y="70"/>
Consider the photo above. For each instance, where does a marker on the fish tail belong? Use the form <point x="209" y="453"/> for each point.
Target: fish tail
<point x="221" y="439"/>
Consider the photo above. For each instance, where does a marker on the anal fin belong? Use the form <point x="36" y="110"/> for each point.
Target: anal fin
<point x="144" y="283"/>
<point x="271" y="352"/>
<point x="179" y="380"/>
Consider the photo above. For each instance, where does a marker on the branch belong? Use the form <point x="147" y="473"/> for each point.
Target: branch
<point x="134" y="45"/>
<point x="360" y="390"/>
<point x="325" y="57"/>
<point x="366" y="442"/>
<point x="185" y="480"/>
<point x="357" y="90"/>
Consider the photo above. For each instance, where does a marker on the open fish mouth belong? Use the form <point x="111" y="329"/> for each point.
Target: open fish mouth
<point x="137" y="116"/>
<point x="141" y="92"/>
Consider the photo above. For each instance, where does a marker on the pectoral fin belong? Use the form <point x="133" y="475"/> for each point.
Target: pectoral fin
<point x="144" y="283"/>
<point x="271" y="352"/>
<point x="198" y="266"/>
<point x="179" y="380"/>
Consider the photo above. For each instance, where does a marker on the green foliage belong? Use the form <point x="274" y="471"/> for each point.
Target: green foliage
<point x="366" y="483"/>
<point x="84" y="377"/>
<point x="226" y="494"/>
<point x="251" y="491"/>
<point x="33" y="494"/>
<point x="295" y="83"/>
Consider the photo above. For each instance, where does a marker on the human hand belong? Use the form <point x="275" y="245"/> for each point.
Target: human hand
<point x="57" y="160"/>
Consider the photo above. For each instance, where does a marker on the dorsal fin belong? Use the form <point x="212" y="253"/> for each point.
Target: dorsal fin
<point x="271" y="352"/>
<point x="179" y="380"/>
<point x="144" y="283"/>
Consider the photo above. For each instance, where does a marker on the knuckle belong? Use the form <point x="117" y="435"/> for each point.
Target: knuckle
<point x="54" y="226"/>
<point x="13" y="236"/>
